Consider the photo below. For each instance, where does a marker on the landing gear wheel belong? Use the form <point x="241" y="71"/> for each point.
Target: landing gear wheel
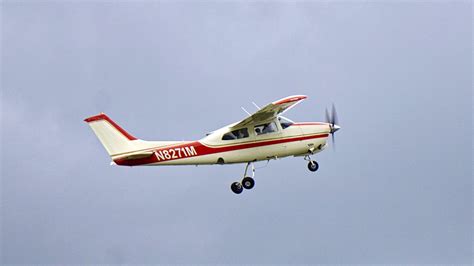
<point x="313" y="166"/>
<point x="236" y="187"/>
<point x="248" y="182"/>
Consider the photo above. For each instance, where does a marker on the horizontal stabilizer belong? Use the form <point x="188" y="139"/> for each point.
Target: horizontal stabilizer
<point x="139" y="155"/>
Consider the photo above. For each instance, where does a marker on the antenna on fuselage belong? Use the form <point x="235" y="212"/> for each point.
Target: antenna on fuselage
<point x="254" y="104"/>
<point x="245" y="111"/>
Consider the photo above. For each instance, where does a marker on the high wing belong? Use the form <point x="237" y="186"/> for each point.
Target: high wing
<point x="271" y="111"/>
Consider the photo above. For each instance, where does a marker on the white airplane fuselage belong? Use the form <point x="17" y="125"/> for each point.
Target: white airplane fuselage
<point x="297" y="139"/>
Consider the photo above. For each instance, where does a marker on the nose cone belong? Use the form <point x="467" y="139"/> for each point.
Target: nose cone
<point x="335" y="128"/>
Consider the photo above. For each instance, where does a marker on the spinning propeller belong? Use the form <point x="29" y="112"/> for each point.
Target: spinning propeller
<point x="332" y="120"/>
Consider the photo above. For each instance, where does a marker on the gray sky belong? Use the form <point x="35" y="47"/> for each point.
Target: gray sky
<point x="397" y="190"/>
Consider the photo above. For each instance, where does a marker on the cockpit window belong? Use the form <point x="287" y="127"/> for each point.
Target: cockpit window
<point x="236" y="134"/>
<point x="266" y="128"/>
<point x="284" y="122"/>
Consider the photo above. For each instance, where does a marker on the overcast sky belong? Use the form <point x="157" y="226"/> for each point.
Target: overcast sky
<point x="398" y="189"/>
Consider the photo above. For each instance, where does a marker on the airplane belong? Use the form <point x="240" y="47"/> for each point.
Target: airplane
<point x="262" y="136"/>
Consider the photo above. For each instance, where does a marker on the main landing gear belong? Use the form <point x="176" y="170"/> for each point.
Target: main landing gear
<point x="247" y="182"/>
<point x="313" y="166"/>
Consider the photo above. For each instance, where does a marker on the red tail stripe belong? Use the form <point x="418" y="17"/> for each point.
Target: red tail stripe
<point x="106" y="118"/>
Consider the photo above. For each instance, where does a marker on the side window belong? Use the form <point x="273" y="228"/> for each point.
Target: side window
<point x="236" y="134"/>
<point x="284" y="122"/>
<point x="266" y="128"/>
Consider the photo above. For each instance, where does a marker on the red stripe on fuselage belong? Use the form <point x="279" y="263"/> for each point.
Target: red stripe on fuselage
<point x="202" y="149"/>
<point x="309" y="124"/>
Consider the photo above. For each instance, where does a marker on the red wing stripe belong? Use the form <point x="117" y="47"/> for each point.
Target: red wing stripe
<point x="291" y="99"/>
<point x="202" y="149"/>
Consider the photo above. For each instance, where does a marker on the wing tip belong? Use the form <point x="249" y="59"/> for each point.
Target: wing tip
<point x="289" y="99"/>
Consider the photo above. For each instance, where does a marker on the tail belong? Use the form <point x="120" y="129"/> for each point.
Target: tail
<point x="114" y="138"/>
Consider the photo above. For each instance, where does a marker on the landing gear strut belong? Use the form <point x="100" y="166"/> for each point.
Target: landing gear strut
<point x="313" y="166"/>
<point x="247" y="182"/>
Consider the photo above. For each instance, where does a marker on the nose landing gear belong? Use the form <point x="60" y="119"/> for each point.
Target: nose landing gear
<point x="247" y="182"/>
<point x="313" y="166"/>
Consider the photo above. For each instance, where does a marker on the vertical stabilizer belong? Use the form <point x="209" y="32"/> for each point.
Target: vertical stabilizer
<point x="114" y="138"/>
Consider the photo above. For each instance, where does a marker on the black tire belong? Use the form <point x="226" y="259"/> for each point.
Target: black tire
<point x="236" y="187"/>
<point x="248" y="182"/>
<point x="313" y="166"/>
